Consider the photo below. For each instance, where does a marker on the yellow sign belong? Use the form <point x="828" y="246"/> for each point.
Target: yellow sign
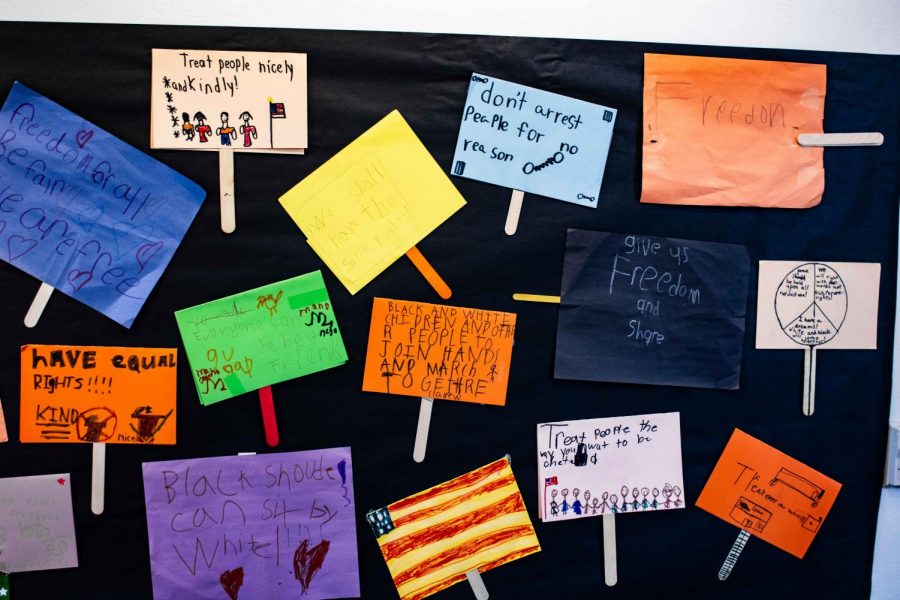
<point x="372" y="202"/>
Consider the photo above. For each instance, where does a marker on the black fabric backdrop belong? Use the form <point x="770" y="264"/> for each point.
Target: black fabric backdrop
<point x="103" y="74"/>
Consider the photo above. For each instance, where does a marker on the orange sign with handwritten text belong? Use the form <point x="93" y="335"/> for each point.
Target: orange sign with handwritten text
<point x="98" y="394"/>
<point x="722" y="131"/>
<point x="436" y="351"/>
<point x="768" y="494"/>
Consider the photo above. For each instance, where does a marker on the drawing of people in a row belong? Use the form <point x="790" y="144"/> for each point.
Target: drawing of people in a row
<point x="631" y="500"/>
<point x="226" y="132"/>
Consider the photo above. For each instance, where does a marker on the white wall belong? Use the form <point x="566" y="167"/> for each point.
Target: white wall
<point x="871" y="26"/>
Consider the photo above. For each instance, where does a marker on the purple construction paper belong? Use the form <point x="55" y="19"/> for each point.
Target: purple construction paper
<point x="37" y="530"/>
<point x="83" y="211"/>
<point x="262" y="527"/>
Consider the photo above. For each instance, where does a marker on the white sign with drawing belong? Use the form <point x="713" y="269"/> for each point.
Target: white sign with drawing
<point x="817" y="306"/>
<point x="593" y="467"/>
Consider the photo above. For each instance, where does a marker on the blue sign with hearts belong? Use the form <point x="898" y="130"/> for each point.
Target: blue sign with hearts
<point x="82" y="210"/>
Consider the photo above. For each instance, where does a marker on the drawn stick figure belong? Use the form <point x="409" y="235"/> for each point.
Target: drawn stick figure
<point x="667" y="492"/>
<point x="554" y="505"/>
<point x="604" y="507"/>
<point x="645" y="504"/>
<point x="576" y="504"/>
<point x="587" y="501"/>
<point x="247" y="129"/>
<point x="226" y="132"/>
<point x="187" y="128"/>
<point x="204" y="131"/>
<point x="655" y="503"/>
<point x="677" y="491"/>
<point x="624" y="506"/>
<point x="565" y="504"/>
<point x="614" y="500"/>
<point x="634" y="499"/>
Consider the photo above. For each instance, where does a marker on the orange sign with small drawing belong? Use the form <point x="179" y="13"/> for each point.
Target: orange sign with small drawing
<point x="98" y="394"/>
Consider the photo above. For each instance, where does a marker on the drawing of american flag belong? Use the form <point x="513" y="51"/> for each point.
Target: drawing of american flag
<point x="475" y="521"/>
<point x="276" y="110"/>
<point x="551" y="481"/>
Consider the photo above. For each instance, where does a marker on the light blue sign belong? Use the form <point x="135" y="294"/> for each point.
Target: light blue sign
<point x="527" y="139"/>
<point x="82" y="210"/>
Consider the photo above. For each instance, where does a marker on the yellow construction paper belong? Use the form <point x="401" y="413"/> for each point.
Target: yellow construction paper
<point x="372" y="201"/>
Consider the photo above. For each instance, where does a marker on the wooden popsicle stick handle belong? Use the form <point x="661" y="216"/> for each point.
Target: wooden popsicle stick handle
<point x="98" y="477"/>
<point x="537" y="298"/>
<point x="610" y="566"/>
<point x="422" y="429"/>
<point x="428" y="272"/>
<point x="226" y="189"/>
<point x="812" y="381"/>
<point x="270" y="424"/>
<point x="38" y="305"/>
<point x="478" y="587"/>
<point x="515" y="209"/>
<point x="814" y="140"/>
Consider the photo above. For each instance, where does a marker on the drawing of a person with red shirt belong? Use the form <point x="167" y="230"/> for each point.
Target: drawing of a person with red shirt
<point x="203" y="130"/>
<point x="247" y="129"/>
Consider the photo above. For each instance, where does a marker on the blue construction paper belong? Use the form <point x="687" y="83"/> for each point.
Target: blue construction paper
<point x="82" y="210"/>
<point x="539" y="142"/>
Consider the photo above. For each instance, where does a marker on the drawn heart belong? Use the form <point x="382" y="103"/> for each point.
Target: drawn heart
<point x="123" y="231"/>
<point x="146" y="252"/>
<point x="78" y="279"/>
<point x="19" y="246"/>
<point x="83" y="137"/>
<point x="89" y="217"/>
<point x="308" y="562"/>
<point x="232" y="581"/>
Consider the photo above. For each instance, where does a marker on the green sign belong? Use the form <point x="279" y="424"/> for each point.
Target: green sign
<point x="260" y="337"/>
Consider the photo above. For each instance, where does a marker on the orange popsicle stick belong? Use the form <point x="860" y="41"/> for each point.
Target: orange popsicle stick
<point x="428" y="272"/>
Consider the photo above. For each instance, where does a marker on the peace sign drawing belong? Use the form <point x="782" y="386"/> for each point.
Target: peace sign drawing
<point x="817" y="305"/>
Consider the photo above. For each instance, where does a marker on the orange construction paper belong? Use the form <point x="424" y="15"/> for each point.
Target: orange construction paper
<point x="4" y="437"/>
<point x="98" y="394"/>
<point x="441" y="352"/>
<point x="769" y="494"/>
<point x="723" y="132"/>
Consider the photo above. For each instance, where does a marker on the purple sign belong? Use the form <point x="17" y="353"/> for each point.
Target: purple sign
<point x="263" y="526"/>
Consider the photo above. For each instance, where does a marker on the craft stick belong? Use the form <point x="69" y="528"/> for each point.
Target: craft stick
<point x="537" y="298"/>
<point x="270" y="425"/>
<point x="98" y="477"/>
<point x="809" y="380"/>
<point x="428" y="272"/>
<point x="733" y="554"/>
<point x="226" y="189"/>
<point x="38" y="304"/>
<point x="870" y="138"/>
<point x="610" y="569"/>
<point x="515" y="209"/>
<point x="422" y="429"/>
<point x="812" y="381"/>
<point x="478" y="587"/>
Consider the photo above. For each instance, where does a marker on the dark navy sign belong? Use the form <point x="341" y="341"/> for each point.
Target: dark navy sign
<point x="651" y="310"/>
<point x="83" y="211"/>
